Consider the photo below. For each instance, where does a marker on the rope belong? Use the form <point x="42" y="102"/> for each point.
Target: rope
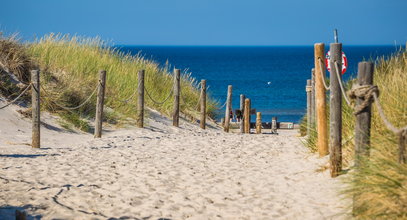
<point x="220" y="108"/>
<point x="385" y="120"/>
<point x="130" y="97"/>
<point x="366" y="93"/>
<point x="199" y="101"/>
<point x="200" y="96"/>
<point x="323" y="77"/>
<point x="14" y="100"/>
<point x="73" y="108"/>
<point x="340" y="84"/>
<point x="156" y="102"/>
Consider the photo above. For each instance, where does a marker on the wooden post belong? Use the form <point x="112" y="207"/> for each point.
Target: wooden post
<point x="21" y="215"/>
<point x="274" y="125"/>
<point x="203" y="104"/>
<point x="258" y="123"/>
<point x="313" y="97"/>
<point x="99" y="103"/>
<point x="35" y="102"/>
<point x="402" y="147"/>
<point x="335" y="113"/>
<point x="363" y="119"/>
<point x="308" y="89"/>
<point x="246" y="116"/>
<point x="228" y="109"/>
<point x="322" y="141"/>
<point x="241" y="125"/>
<point x="177" y="90"/>
<point x="140" y="99"/>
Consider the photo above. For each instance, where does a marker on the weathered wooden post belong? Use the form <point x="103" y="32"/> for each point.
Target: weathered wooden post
<point x="363" y="119"/>
<point x="177" y="90"/>
<point x="335" y="113"/>
<point x="241" y="125"/>
<point x="228" y="109"/>
<point x="274" y="125"/>
<point x="313" y="97"/>
<point x="140" y="99"/>
<point x="21" y="215"/>
<point x="258" y="123"/>
<point x="308" y="89"/>
<point x="402" y="146"/>
<point x="99" y="104"/>
<point x="322" y="141"/>
<point x="246" y="116"/>
<point x="203" y="104"/>
<point x="35" y="102"/>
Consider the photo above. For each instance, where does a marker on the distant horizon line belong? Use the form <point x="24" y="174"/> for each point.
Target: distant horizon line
<point x="163" y="45"/>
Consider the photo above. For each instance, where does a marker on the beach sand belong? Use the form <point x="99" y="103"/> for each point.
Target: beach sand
<point x="162" y="172"/>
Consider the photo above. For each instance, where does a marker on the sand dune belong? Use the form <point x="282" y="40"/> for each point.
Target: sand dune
<point x="162" y="172"/>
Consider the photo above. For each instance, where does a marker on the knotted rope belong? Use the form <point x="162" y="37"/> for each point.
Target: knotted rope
<point x="369" y="94"/>
<point x="365" y="93"/>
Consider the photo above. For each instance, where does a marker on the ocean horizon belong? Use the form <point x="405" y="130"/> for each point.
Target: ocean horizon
<point x="273" y="77"/>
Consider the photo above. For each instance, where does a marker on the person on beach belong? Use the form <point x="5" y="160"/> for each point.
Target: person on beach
<point x="239" y="115"/>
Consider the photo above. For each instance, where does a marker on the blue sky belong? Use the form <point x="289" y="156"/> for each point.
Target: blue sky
<point x="211" y="22"/>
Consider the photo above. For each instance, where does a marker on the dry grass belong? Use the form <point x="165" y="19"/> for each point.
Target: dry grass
<point x="14" y="58"/>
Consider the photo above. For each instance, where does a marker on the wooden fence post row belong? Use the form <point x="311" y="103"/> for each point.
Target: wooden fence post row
<point x="335" y="110"/>
<point x="203" y="104"/>
<point x="99" y="104"/>
<point x="228" y="109"/>
<point x="35" y="102"/>
<point x="177" y="90"/>
<point x="322" y="141"/>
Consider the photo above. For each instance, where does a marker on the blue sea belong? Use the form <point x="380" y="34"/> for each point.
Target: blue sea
<point x="273" y="77"/>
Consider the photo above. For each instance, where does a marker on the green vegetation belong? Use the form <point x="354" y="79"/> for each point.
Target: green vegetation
<point x="380" y="185"/>
<point x="69" y="74"/>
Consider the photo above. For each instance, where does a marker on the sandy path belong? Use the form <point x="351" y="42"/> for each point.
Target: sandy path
<point x="173" y="173"/>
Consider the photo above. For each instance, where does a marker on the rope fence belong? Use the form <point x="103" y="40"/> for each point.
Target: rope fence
<point x="71" y="108"/>
<point x="369" y="94"/>
<point x="159" y="102"/>
<point x="359" y="98"/>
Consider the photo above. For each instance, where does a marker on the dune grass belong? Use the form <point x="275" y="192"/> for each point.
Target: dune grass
<point x="379" y="186"/>
<point x="69" y="73"/>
